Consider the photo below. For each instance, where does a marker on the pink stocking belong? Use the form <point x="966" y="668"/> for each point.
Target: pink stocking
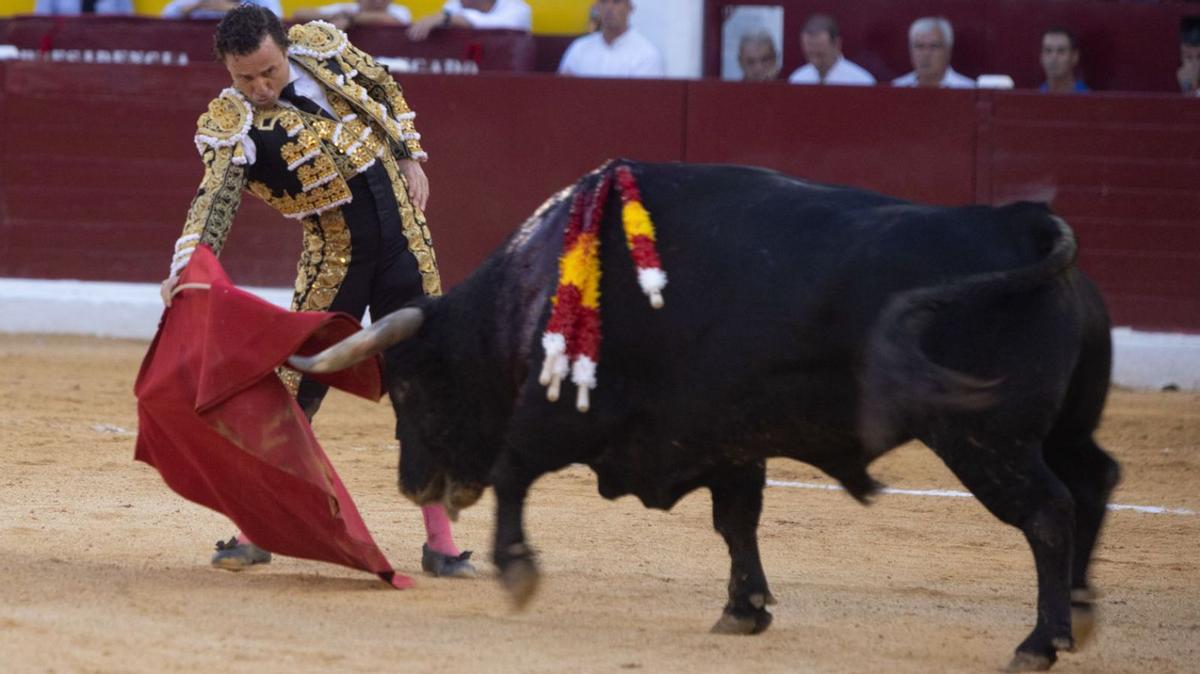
<point x="437" y="530"/>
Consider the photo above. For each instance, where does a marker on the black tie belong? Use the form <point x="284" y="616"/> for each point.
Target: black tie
<point x="87" y="7"/>
<point x="302" y="102"/>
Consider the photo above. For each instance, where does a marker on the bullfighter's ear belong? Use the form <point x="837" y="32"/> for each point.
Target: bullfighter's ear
<point x="389" y="330"/>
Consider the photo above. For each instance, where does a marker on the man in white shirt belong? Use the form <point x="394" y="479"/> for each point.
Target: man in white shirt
<point x="213" y="9"/>
<point x="821" y="41"/>
<point x="72" y="7"/>
<point x="616" y="50"/>
<point x="476" y="14"/>
<point x="360" y="13"/>
<point x="930" y="42"/>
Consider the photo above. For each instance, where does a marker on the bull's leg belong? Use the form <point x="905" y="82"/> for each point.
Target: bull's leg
<point x="1091" y="475"/>
<point x="513" y="558"/>
<point x="737" y="504"/>
<point x="1015" y="484"/>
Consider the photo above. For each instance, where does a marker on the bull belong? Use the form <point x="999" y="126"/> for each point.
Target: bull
<point x="823" y="324"/>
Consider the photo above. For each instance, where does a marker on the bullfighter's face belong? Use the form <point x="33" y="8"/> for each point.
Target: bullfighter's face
<point x="260" y="75"/>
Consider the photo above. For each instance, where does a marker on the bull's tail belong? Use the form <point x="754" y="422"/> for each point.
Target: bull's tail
<point x="900" y="384"/>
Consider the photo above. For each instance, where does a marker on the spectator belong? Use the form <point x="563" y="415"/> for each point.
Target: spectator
<point x="1188" y="74"/>
<point x="71" y="7"/>
<point x="363" y="12"/>
<point x="930" y="42"/>
<point x="757" y="57"/>
<point x="822" y="44"/>
<point x="1060" y="56"/>
<point x="616" y="50"/>
<point x="477" y="14"/>
<point x="212" y="9"/>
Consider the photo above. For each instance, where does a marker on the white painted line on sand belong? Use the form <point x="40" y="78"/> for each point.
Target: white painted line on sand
<point x="949" y="493"/>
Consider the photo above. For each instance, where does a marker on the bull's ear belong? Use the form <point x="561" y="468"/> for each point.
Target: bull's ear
<point x="389" y="330"/>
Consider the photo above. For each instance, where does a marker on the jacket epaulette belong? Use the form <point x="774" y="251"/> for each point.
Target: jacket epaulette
<point x="226" y="124"/>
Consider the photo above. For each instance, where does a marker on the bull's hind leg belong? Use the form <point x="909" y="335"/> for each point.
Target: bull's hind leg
<point x="737" y="505"/>
<point x="1091" y="475"/>
<point x="1014" y="483"/>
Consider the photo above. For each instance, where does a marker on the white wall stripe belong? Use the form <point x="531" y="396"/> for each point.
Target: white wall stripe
<point x="949" y="493"/>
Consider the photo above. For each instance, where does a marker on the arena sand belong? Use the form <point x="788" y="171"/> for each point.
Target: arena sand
<point x="104" y="569"/>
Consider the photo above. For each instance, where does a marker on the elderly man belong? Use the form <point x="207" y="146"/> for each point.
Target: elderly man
<point x="318" y="130"/>
<point x="360" y="13"/>
<point x="616" y="50"/>
<point x="930" y="42"/>
<point x="821" y="42"/>
<point x="757" y="57"/>
<point x="1060" y="56"/>
<point x="1188" y="75"/>
<point x="477" y="14"/>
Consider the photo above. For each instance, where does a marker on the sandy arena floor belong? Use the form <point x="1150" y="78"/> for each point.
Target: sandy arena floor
<point x="104" y="569"/>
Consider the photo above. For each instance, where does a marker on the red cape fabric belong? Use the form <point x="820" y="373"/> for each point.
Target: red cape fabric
<point x="224" y="432"/>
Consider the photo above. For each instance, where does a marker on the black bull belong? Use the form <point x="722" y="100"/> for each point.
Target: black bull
<point x="822" y="324"/>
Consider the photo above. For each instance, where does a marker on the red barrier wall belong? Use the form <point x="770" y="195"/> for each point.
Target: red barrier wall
<point x="98" y="165"/>
<point x="1125" y="46"/>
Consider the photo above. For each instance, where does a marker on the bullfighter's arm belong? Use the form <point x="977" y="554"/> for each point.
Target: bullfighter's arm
<point x="382" y="87"/>
<point x="221" y="140"/>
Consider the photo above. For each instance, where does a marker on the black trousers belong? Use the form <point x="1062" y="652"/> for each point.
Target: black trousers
<point x="382" y="273"/>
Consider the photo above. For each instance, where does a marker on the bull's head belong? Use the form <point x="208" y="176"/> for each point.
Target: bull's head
<point x="442" y="459"/>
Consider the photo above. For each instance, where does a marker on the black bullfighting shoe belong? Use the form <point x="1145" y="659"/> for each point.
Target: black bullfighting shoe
<point x="446" y="566"/>
<point x="234" y="556"/>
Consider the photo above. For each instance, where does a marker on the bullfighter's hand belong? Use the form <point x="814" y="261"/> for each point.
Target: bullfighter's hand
<point x="418" y="184"/>
<point x="166" y="288"/>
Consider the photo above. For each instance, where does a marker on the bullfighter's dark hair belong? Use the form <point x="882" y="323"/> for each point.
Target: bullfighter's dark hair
<point x="242" y="29"/>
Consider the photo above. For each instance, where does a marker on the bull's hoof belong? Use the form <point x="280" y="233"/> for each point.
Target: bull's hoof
<point x="520" y="579"/>
<point x="1083" y="621"/>
<point x="731" y="623"/>
<point x="1029" y="662"/>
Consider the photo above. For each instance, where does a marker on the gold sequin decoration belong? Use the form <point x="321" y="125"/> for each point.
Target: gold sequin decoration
<point x="318" y="199"/>
<point x="217" y="200"/>
<point x="320" y="171"/>
<point x="324" y="261"/>
<point x="415" y="230"/>
<point x="225" y="119"/>
<point x="305" y="144"/>
<point x="316" y="37"/>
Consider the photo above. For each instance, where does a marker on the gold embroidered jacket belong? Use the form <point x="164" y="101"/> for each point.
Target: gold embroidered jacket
<point x="301" y="162"/>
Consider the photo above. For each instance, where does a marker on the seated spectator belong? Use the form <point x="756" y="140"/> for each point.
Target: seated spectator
<point x="757" y="57"/>
<point x="477" y="14"/>
<point x="1060" y="56"/>
<point x="212" y="9"/>
<point x="616" y="50"/>
<point x="1188" y="74"/>
<point x="930" y="42"/>
<point x="821" y="42"/>
<point x="72" y="7"/>
<point x="361" y="13"/>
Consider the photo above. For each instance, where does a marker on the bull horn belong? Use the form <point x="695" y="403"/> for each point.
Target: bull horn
<point x="391" y="329"/>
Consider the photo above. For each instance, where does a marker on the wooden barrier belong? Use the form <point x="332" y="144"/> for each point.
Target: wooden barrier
<point x="98" y="165"/>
